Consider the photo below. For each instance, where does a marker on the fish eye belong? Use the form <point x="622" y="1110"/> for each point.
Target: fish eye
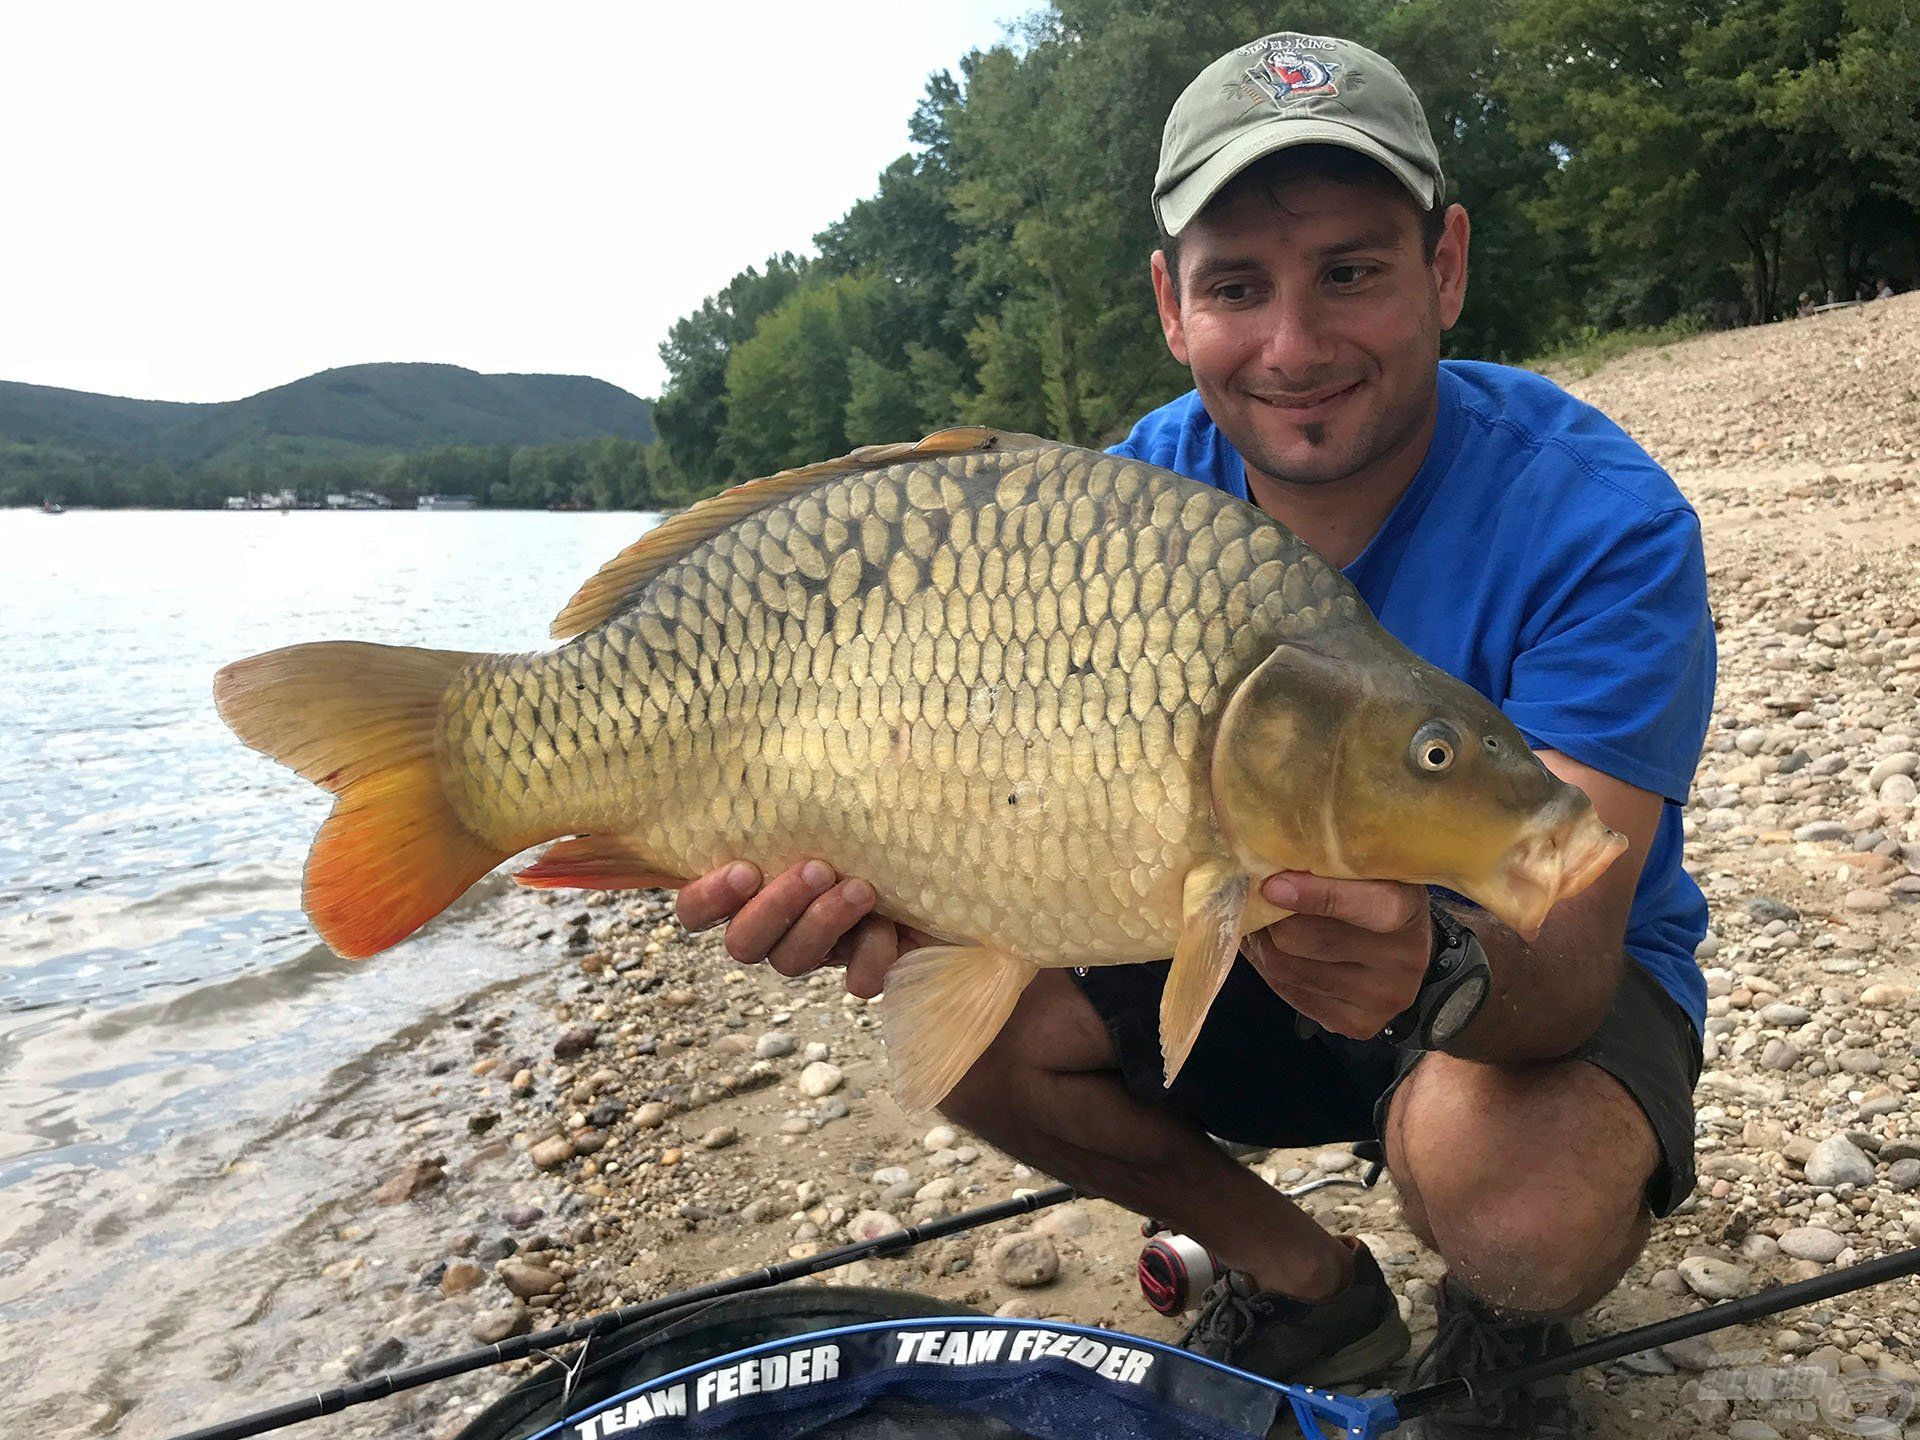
<point x="1433" y="747"/>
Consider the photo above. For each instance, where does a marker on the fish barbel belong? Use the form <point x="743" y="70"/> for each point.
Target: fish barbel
<point x="1060" y="708"/>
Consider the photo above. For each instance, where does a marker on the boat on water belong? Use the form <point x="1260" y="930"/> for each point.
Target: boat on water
<point x="52" y="507"/>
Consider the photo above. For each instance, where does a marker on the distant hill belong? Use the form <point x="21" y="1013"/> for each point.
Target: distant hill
<point x="350" y="412"/>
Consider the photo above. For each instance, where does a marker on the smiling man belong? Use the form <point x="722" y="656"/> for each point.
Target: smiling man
<point x="1536" y="1117"/>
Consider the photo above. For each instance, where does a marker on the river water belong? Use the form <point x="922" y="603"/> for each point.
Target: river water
<point x="172" y="1035"/>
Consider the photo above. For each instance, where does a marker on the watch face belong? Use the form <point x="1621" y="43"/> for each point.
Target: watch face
<point x="1453" y="1013"/>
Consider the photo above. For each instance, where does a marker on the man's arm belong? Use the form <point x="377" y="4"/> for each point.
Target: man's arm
<point x="1549" y="995"/>
<point x="1355" y="952"/>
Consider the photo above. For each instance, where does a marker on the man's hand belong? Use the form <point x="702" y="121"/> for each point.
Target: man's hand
<point x="803" y="918"/>
<point x="1356" y="951"/>
<point x="1352" y="955"/>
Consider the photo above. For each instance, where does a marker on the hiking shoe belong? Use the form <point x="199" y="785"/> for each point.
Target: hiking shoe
<point x="1473" y="1340"/>
<point x="1349" y="1335"/>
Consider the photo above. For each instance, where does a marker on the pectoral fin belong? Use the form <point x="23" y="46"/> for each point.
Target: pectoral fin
<point x="596" y="862"/>
<point x="943" y="1006"/>
<point x="1211" y="906"/>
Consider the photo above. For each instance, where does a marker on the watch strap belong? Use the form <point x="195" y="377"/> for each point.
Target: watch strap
<point x="1456" y="956"/>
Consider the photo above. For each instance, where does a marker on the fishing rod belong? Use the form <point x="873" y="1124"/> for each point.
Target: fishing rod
<point x="1329" y="1413"/>
<point x="1357" y="1418"/>
<point x="378" y="1387"/>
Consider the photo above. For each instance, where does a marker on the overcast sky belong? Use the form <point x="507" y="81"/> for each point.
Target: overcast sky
<point x="199" y="201"/>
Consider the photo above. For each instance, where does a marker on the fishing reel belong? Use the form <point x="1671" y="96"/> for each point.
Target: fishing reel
<point x="1175" y="1270"/>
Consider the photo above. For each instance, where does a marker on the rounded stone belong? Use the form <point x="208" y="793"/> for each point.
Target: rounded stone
<point x="1812" y="1242"/>
<point x="820" y="1079"/>
<point x="527" y="1281"/>
<point x="552" y="1154"/>
<point x="1025" y="1260"/>
<point x="871" y="1225"/>
<point x="940" y="1137"/>
<point x="1898" y="790"/>
<point x="1838" y="1161"/>
<point x="461" y="1276"/>
<point x="1714" y="1279"/>
<point x="490" y="1327"/>
<point x="1905" y="762"/>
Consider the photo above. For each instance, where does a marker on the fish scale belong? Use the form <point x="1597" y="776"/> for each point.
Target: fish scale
<point x="838" y="697"/>
<point x="1058" y="707"/>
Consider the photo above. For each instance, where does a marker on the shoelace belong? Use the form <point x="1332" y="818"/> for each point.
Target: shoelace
<point x="1227" y="1317"/>
<point x="1467" y="1344"/>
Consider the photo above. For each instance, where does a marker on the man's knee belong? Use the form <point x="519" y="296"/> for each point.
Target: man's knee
<point x="1530" y="1183"/>
<point x="1531" y="1250"/>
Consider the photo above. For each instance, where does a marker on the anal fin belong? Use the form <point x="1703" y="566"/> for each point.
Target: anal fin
<point x="943" y="1006"/>
<point x="1214" y="899"/>
<point x="596" y="862"/>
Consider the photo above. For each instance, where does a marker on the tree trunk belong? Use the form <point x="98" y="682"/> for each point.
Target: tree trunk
<point x="1762" y="288"/>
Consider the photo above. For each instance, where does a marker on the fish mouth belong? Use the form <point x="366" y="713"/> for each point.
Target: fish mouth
<point x="1552" y="862"/>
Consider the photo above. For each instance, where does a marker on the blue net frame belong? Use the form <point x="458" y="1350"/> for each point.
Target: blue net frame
<point x="1053" y="1381"/>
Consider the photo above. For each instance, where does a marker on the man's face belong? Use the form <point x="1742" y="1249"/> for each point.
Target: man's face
<point x="1312" y="320"/>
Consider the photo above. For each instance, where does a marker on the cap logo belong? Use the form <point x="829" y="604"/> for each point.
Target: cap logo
<point x="1287" y="72"/>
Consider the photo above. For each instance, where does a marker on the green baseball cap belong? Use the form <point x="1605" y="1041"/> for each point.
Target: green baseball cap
<point x="1290" y="89"/>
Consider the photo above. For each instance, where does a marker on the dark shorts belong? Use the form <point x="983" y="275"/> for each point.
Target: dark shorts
<point x="1252" y="1079"/>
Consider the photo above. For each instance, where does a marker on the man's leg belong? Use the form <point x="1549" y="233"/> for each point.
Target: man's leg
<point x="1048" y="1091"/>
<point x="1529" y="1180"/>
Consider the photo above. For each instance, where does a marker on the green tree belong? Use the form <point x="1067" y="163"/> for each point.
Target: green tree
<point x="691" y="414"/>
<point x="1663" y="111"/>
<point x="788" y="388"/>
<point x="881" y="405"/>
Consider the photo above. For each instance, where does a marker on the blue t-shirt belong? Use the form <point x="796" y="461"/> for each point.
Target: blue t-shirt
<point x="1541" y="556"/>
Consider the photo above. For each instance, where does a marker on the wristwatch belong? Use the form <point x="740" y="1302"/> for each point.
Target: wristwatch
<point x="1458" y="981"/>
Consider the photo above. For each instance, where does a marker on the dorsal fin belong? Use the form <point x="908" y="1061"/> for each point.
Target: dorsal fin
<point x="622" y="577"/>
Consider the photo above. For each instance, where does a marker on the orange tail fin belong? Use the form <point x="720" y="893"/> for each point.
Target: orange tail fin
<point x="360" y="721"/>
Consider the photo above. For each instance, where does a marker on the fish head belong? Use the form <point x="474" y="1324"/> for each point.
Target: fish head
<point x="1376" y="765"/>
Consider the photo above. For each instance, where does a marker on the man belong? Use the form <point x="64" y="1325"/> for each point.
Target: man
<point x="1511" y="535"/>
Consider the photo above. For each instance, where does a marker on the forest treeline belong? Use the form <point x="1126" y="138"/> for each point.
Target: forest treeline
<point x="610" y="473"/>
<point x="1626" y="163"/>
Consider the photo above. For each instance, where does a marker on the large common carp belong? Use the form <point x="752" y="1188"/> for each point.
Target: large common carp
<point x="1059" y="708"/>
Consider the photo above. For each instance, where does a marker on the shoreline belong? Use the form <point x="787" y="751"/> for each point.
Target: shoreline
<point x="678" y="1141"/>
